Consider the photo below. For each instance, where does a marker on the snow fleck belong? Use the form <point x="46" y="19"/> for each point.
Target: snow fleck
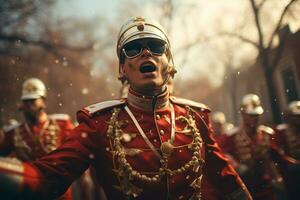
<point x="65" y="63"/>
<point x="91" y="156"/>
<point x="83" y="134"/>
<point x="85" y="91"/>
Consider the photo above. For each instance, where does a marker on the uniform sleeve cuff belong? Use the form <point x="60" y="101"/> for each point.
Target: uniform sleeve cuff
<point x="11" y="177"/>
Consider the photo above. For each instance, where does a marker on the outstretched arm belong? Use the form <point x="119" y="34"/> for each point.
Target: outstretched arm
<point x="50" y="176"/>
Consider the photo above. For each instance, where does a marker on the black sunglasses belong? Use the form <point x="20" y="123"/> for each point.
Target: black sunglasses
<point x="136" y="47"/>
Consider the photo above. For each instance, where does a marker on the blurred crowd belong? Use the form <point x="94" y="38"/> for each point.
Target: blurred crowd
<point x="266" y="158"/>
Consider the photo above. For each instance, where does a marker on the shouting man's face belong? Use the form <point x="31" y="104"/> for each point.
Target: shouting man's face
<point x="146" y="64"/>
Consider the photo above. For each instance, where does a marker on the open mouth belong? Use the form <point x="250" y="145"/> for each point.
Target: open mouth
<point x="147" y="68"/>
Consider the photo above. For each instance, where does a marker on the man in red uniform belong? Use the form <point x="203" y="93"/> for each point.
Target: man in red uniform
<point x="148" y="146"/>
<point x="220" y="126"/>
<point x="287" y="139"/>
<point x="40" y="133"/>
<point x="248" y="146"/>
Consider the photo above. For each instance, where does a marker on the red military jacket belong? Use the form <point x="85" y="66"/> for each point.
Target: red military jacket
<point x="288" y="141"/>
<point x="256" y="160"/>
<point x="30" y="142"/>
<point x="141" y="153"/>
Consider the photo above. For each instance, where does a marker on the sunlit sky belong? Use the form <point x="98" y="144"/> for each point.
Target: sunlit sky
<point x="87" y="8"/>
<point x="202" y="18"/>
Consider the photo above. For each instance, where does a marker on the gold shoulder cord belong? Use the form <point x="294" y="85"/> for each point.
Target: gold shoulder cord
<point x="23" y="151"/>
<point x="50" y="141"/>
<point x="49" y="144"/>
<point x="126" y="173"/>
<point x="41" y="145"/>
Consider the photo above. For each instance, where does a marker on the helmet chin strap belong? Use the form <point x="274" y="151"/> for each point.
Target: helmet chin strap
<point x="170" y="74"/>
<point x="171" y="71"/>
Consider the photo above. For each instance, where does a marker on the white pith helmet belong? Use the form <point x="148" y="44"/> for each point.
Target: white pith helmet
<point x="139" y="28"/>
<point x="251" y="105"/>
<point x="33" y="88"/>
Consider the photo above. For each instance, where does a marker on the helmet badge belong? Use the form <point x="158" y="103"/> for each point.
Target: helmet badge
<point x="141" y="27"/>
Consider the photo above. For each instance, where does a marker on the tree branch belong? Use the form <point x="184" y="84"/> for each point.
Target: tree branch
<point x="258" y="25"/>
<point x="44" y="44"/>
<point x="279" y="49"/>
<point x="280" y="22"/>
<point x="19" y="18"/>
<point x="20" y="10"/>
<point x="261" y="4"/>
<point x="242" y="38"/>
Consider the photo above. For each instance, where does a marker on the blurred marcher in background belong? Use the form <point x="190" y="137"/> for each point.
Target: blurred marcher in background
<point x="40" y="133"/>
<point x="287" y="139"/>
<point x="218" y="120"/>
<point x="6" y="127"/>
<point x="148" y="146"/>
<point x="10" y="124"/>
<point x="250" y="151"/>
<point x="220" y="126"/>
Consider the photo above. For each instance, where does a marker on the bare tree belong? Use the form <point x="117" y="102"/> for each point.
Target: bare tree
<point x="268" y="62"/>
<point x="268" y="56"/>
<point x="14" y="19"/>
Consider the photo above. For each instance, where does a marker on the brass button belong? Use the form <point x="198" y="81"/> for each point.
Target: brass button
<point x="157" y="116"/>
<point x="126" y="137"/>
<point x="162" y="132"/>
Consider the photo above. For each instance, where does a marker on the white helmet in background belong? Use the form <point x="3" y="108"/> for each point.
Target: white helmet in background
<point x="33" y="88"/>
<point x="218" y="117"/>
<point x="251" y="105"/>
<point x="294" y="108"/>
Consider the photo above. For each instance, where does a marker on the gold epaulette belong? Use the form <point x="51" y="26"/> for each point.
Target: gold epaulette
<point x="9" y="128"/>
<point x="232" y="131"/>
<point x="281" y="127"/>
<point x="97" y="107"/>
<point x="265" y="129"/>
<point x="181" y="101"/>
<point x="59" y="116"/>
